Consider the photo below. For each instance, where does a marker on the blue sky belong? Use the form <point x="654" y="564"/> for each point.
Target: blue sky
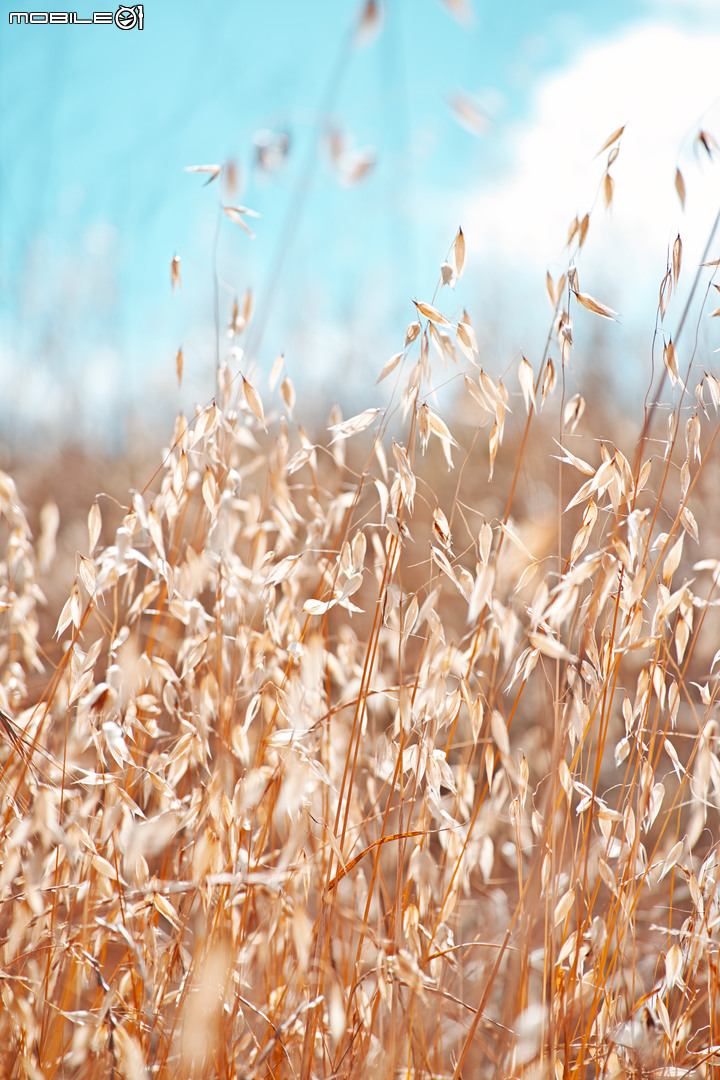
<point x="97" y="126"/>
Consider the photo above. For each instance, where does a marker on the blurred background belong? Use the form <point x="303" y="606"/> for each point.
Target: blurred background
<point x="362" y="135"/>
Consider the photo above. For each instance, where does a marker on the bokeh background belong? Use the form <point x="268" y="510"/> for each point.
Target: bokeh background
<point x="362" y="153"/>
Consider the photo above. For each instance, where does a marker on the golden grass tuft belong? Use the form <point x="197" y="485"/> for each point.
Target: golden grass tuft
<point x="351" y="765"/>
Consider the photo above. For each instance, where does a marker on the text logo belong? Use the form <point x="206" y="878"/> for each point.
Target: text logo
<point x="125" y="18"/>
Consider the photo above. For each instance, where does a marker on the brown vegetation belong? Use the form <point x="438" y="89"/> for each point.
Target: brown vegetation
<point x="349" y="763"/>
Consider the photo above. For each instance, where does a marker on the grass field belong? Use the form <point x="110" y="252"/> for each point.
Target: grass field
<point x="385" y="751"/>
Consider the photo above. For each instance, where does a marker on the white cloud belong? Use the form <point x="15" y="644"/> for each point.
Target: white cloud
<point x="661" y="83"/>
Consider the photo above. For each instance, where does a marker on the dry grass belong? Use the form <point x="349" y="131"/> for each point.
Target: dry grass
<point x="350" y="765"/>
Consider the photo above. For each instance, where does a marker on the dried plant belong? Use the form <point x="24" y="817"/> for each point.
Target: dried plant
<point x="349" y="765"/>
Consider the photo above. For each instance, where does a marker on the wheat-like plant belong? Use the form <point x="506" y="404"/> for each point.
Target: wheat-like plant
<point x="386" y="752"/>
